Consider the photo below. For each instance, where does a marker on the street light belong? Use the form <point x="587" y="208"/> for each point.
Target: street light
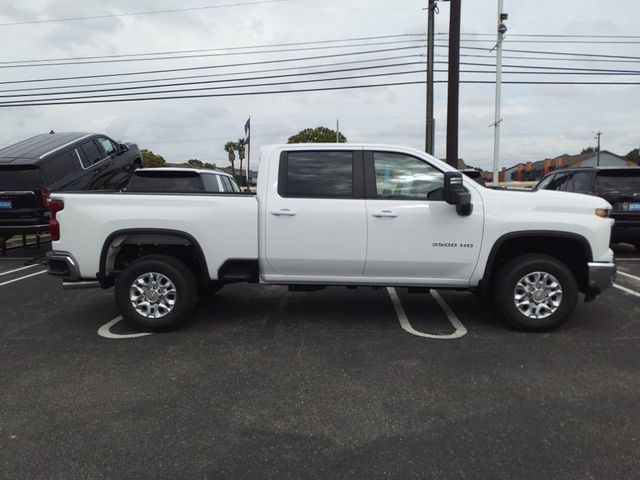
<point x="502" y="29"/>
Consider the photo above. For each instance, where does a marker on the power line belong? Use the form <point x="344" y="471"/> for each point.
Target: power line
<point x="216" y="75"/>
<point x="543" y="35"/>
<point x="170" y="52"/>
<point x="547" y="59"/>
<point x="201" y="82"/>
<point x="268" y="84"/>
<point x="271" y="92"/>
<point x="131" y="14"/>
<point x="201" y="55"/>
<point x="184" y="69"/>
<point x="239" y="94"/>
<point x="540" y="52"/>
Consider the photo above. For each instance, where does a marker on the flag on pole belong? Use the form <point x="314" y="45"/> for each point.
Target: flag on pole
<point x="247" y="147"/>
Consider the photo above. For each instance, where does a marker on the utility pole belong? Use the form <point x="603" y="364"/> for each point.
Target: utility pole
<point x="429" y="125"/>
<point x="502" y="29"/>
<point x="337" y="130"/>
<point x="598" y="134"/>
<point x="453" y="81"/>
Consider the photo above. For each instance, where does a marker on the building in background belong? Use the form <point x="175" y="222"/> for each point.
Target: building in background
<point x="534" y="171"/>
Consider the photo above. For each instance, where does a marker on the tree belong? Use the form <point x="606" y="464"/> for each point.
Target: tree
<point x="589" y="150"/>
<point x="240" y="149"/>
<point x="195" y="163"/>
<point x="316" y="135"/>
<point x="230" y="148"/>
<point x="633" y="155"/>
<point x="210" y="166"/>
<point x="150" y="159"/>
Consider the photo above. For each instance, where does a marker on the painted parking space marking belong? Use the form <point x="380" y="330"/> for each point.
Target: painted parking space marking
<point x="17" y="270"/>
<point x="460" y="329"/>
<point x="105" y="331"/>
<point x="625" y="274"/>
<point x="626" y="290"/>
<point x="22" y="278"/>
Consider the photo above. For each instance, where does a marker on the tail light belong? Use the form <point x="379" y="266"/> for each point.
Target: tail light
<point x="55" y="206"/>
<point x="44" y="195"/>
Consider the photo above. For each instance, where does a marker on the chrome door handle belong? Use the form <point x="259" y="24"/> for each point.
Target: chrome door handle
<point x="283" y="212"/>
<point x="385" y="213"/>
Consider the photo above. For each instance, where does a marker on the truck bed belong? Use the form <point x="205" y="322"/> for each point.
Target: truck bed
<point x="224" y="225"/>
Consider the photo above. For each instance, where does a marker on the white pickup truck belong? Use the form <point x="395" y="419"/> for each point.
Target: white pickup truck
<point x="338" y="214"/>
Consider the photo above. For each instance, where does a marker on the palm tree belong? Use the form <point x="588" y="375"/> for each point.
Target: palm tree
<point x="230" y="148"/>
<point x="240" y="149"/>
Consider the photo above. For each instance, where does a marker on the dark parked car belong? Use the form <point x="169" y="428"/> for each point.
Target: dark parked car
<point x="181" y="180"/>
<point x="620" y="186"/>
<point x="476" y="175"/>
<point x="32" y="168"/>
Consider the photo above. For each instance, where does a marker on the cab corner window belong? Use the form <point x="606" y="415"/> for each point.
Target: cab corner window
<point x="403" y="177"/>
<point x="318" y="175"/>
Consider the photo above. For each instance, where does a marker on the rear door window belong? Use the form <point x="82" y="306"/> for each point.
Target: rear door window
<point x="90" y="154"/>
<point x="318" y="175"/>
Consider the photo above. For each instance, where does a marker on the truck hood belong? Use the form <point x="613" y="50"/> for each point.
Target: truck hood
<point x="548" y="200"/>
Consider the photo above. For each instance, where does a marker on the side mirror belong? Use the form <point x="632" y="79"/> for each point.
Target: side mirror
<point x="454" y="193"/>
<point x="123" y="148"/>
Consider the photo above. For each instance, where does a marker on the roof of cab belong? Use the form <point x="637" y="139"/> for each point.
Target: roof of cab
<point x="34" y="149"/>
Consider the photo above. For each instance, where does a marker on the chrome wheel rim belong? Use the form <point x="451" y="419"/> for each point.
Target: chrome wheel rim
<point x="538" y="295"/>
<point x="153" y="295"/>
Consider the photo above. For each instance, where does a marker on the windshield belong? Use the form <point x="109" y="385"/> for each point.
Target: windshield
<point x="20" y="178"/>
<point x="621" y="180"/>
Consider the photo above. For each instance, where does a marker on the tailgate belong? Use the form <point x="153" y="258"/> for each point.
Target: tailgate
<point x="21" y="198"/>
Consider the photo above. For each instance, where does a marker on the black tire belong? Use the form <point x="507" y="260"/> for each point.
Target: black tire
<point x="186" y="293"/>
<point x="504" y="289"/>
<point x="137" y="165"/>
<point x="637" y="245"/>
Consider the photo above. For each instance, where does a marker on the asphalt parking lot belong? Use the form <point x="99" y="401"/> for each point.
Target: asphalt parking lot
<point x="266" y="383"/>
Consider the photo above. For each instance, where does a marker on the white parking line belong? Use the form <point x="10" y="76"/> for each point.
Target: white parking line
<point x="406" y="325"/>
<point x="625" y="274"/>
<point x="105" y="331"/>
<point x="22" y="278"/>
<point x="16" y="270"/>
<point x="626" y="290"/>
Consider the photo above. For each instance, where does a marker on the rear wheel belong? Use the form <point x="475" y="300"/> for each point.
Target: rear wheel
<point x="535" y="293"/>
<point x="156" y="293"/>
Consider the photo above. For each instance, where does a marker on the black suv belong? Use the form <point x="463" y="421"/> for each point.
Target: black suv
<point x="32" y="168"/>
<point x="620" y="186"/>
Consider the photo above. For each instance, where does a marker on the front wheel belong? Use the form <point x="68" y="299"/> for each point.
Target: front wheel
<point x="156" y="293"/>
<point x="535" y="293"/>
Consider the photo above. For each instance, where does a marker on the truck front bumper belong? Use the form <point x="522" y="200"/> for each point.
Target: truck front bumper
<point x="601" y="276"/>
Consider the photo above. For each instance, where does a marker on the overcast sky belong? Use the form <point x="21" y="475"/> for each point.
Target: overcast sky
<point x="538" y="120"/>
